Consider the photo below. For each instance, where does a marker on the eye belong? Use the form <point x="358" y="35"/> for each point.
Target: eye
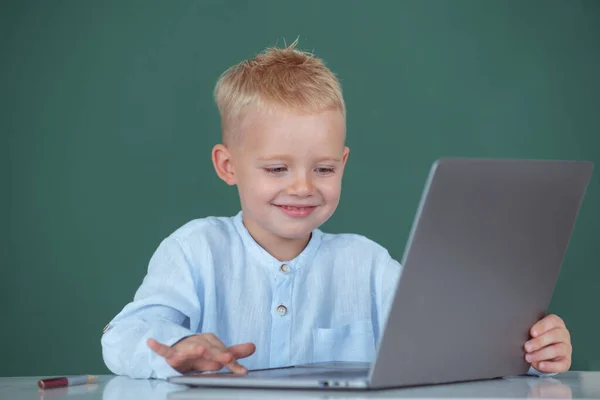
<point x="275" y="170"/>
<point x="325" y="170"/>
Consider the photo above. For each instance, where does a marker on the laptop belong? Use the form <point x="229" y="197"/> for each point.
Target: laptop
<point x="479" y="269"/>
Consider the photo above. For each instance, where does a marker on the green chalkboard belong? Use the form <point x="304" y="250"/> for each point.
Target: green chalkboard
<point x="107" y="123"/>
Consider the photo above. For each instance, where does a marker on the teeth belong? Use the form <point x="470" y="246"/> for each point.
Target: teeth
<point x="293" y="208"/>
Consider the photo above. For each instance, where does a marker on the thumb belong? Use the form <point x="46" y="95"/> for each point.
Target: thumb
<point x="159" y="348"/>
<point x="536" y="365"/>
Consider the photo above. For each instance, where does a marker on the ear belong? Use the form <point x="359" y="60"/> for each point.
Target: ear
<point x="221" y="158"/>
<point x="345" y="156"/>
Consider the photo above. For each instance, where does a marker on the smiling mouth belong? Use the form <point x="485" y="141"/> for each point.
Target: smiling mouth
<point x="296" y="211"/>
<point x="293" y="207"/>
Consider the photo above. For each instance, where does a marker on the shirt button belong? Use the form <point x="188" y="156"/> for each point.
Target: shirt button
<point x="284" y="268"/>
<point x="282" y="310"/>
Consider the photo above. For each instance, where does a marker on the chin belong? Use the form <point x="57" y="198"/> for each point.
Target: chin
<point x="293" y="232"/>
<point x="294" y="235"/>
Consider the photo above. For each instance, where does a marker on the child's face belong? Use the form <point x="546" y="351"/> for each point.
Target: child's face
<point x="288" y="168"/>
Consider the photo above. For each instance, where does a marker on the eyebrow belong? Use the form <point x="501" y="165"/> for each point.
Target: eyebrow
<point x="287" y="158"/>
<point x="334" y="159"/>
<point x="275" y="157"/>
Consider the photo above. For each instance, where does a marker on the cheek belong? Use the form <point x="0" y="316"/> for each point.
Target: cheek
<point x="247" y="184"/>
<point x="260" y="187"/>
<point x="331" y="190"/>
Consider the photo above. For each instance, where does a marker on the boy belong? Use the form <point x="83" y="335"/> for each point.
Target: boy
<point x="267" y="285"/>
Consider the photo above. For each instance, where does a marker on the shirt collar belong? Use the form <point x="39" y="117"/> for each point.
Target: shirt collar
<point x="267" y="260"/>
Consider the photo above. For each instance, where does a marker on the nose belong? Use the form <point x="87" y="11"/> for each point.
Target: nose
<point x="302" y="185"/>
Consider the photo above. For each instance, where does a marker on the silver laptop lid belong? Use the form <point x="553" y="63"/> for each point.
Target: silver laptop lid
<point x="480" y="268"/>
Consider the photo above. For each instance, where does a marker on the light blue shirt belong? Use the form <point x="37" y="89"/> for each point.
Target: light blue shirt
<point x="329" y="303"/>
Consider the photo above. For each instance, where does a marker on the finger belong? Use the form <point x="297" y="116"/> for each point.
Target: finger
<point x="225" y="355"/>
<point x="557" y="350"/>
<point x="555" y="366"/>
<point x="218" y="351"/>
<point x="214" y="353"/>
<point x="556" y="335"/>
<point x="160" y="349"/>
<point x="235" y="367"/>
<point x="545" y="324"/>
<point x="220" y="355"/>
<point x="242" y="350"/>
<point x="206" y="365"/>
<point x="181" y="358"/>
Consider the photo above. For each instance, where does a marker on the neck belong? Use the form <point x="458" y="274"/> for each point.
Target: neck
<point x="281" y="248"/>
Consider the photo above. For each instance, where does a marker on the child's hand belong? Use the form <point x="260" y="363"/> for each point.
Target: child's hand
<point x="203" y="352"/>
<point x="550" y="348"/>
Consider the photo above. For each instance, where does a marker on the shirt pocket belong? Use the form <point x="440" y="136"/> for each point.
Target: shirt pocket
<point x="352" y="342"/>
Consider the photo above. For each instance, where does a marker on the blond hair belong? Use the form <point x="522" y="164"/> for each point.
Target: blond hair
<point x="276" y="78"/>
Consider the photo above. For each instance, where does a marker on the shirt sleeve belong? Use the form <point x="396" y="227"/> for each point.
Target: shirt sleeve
<point x="534" y="372"/>
<point x="166" y="308"/>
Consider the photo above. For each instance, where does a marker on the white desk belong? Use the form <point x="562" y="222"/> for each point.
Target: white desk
<point x="575" y="385"/>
